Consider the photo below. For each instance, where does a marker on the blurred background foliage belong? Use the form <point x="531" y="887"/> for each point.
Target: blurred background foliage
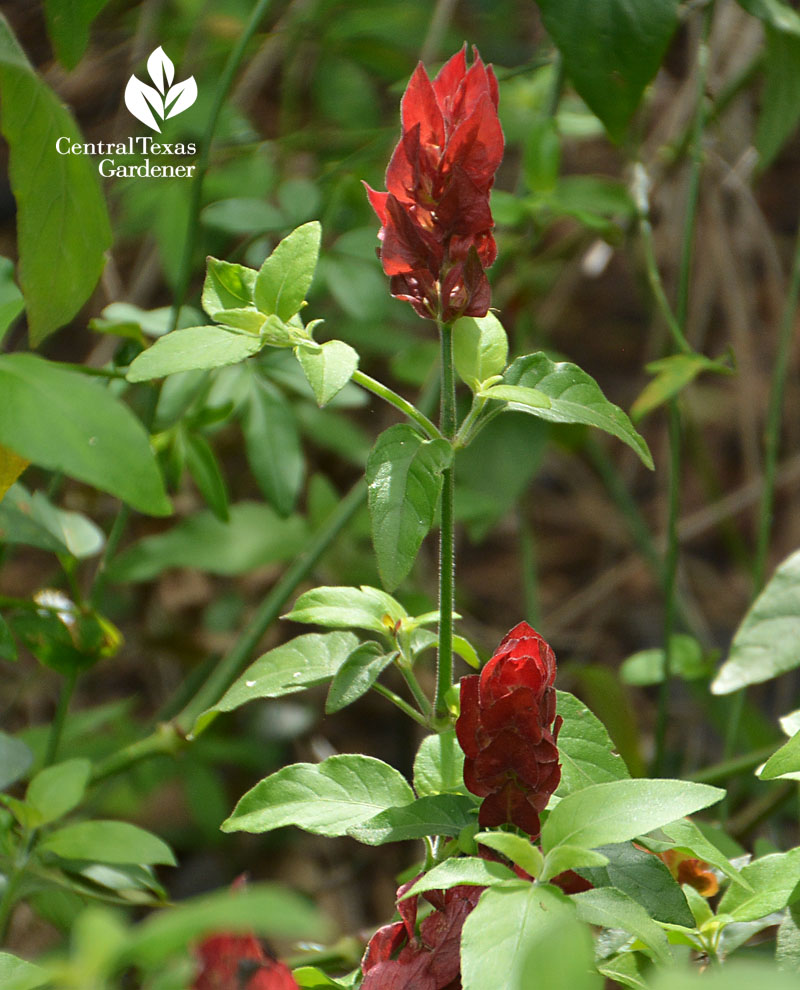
<point x="557" y="527"/>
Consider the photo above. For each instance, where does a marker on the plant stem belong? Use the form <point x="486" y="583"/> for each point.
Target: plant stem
<point x="465" y="432"/>
<point x="400" y="703"/>
<point x="447" y="422"/>
<point x="234" y="662"/>
<point x="719" y="772"/>
<point x="57" y="725"/>
<point x="405" y="407"/>
<point x="196" y="191"/>
<point x="414" y="686"/>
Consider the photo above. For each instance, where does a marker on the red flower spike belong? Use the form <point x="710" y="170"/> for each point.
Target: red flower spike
<point x="436" y="223"/>
<point x="508" y="730"/>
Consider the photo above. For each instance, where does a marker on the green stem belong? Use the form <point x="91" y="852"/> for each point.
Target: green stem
<point x="57" y="725"/>
<point x="196" y="191"/>
<point x="400" y="703"/>
<point x="720" y="772"/>
<point x="405" y="407"/>
<point x="112" y="545"/>
<point x="234" y="662"/>
<point x="414" y="686"/>
<point x="527" y="560"/>
<point x="444" y="672"/>
<point x="166" y="740"/>
<point x="466" y="431"/>
<point x="95" y="372"/>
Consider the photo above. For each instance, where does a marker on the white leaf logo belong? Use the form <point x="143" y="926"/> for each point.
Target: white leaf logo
<point x="162" y="100"/>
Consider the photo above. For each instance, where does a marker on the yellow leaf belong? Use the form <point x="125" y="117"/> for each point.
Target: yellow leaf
<point x="11" y="467"/>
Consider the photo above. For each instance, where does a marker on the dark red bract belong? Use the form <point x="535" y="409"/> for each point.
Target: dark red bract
<point x="239" y="962"/>
<point x="436" y="224"/>
<point x="508" y="729"/>
<point x="399" y="958"/>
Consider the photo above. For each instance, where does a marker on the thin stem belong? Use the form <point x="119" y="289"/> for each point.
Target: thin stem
<point x="527" y="560"/>
<point x="167" y="740"/>
<point x="405" y="407"/>
<point x="57" y="725"/>
<point x="196" y="191"/>
<point x="112" y="545"/>
<point x="465" y="431"/>
<point x="444" y="672"/>
<point x="772" y="430"/>
<point x="670" y="581"/>
<point x="400" y="703"/>
<point x="414" y="686"/>
<point x="85" y="369"/>
<point x="234" y="662"/>
<point x="720" y="772"/>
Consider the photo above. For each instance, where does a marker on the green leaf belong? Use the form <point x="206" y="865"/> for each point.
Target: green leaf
<point x="519" y="850"/>
<point x="273" y="446"/>
<point x="611" y="50"/>
<point x="242" y="215"/>
<point x="480" y="349"/>
<point x="787" y="943"/>
<point x="8" y="645"/>
<point x="311" y="978"/>
<point x="68" y="23"/>
<point x="11" y="301"/>
<point x="108" y="842"/>
<point x="621" y="810"/>
<point x="767" y="643"/>
<point x="575" y="397"/>
<point x="261" y="909"/>
<point x="285" y="277"/>
<point x="624" y="969"/>
<point x="328" y="367"/>
<point x="775" y="13"/>
<point x="357" y="675"/>
<point x="439" y="814"/>
<point x="327" y="798"/>
<point x="227" y="286"/>
<point x="15" y="760"/>
<point x="643" y="877"/>
<point x="62" y="421"/>
<point x="564" y="858"/>
<point x="62" y="222"/>
<point x="687" y="660"/>
<point x="58" y="789"/>
<point x="18" y="974"/>
<point x="784" y="760"/>
<point x="687" y="838"/>
<point x="561" y="954"/>
<point x="254" y="536"/>
<point x="775" y="882"/>
<point x="502" y="929"/>
<point x="404" y="478"/>
<point x="611" y="908"/>
<point x="205" y="471"/>
<point x="734" y="975"/>
<point x="586" y="751"/>
<point x="192" y="348"/>
<point x="469" y="870"/>
<point x="439" y="765"/>
<point x="780" y="102"/>
<point x="673" y="374"/>
<point x="343" y="608"/>
<point x="35" y="521"/>
<point x="520" y="398"/>
<point x="301" y="663"/>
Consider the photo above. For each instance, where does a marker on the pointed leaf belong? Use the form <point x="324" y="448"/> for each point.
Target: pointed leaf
<point x="328" y="368"/>
<point x="469" y="870"/>
<point x="503" y="928"/>
<point x="775" y="883"/>
<point x="18" y="974"/>
<point x="192" y="348"/>
<point x="327" y="798"/>
<point x="519" y="397"/>
<point x="341" y="608"/>
<point x="785" y="760"/>
<point x="519" y="850"/>
<point x="611" y="908"/>
<point x="586" y="752"/>
<point x="480" y="348"/>
<point x="62" y="421"/>
<point x="767" y="643"/>
<point x="621" y="810"/>
<point x="440" y="814"/>
<point x="566" y="857"/>
<point x="273" y="446"/>
<point x="286" y="275"/>
<point x="63" y="228"/>
<point x="58" y="789"/>
<point x="357" y="675"/>
<point x="404" y="475"/>
<point x="673" y="374"/>
<point x="439" y="765"/>
<point x="108" y="842"/>
<point x="227" y="286"/>
<point x="575" y="397"/>
<point x="205" y="471"/>
<point x="611" y="50"/>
